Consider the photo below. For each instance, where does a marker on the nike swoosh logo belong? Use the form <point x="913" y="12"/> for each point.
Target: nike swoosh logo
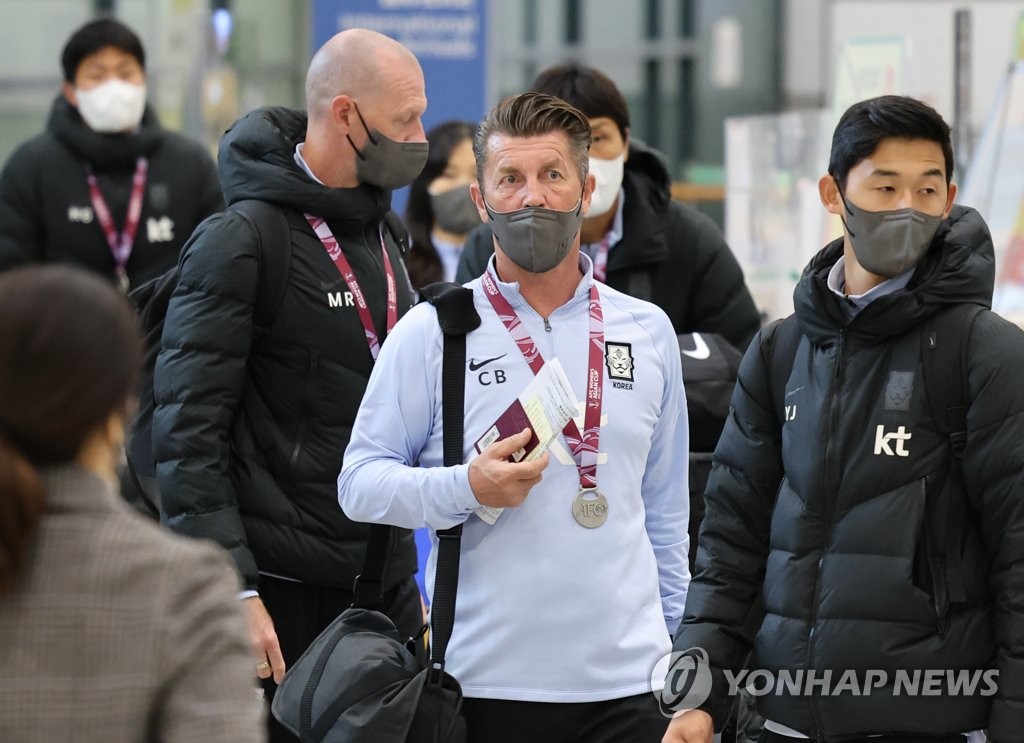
<point x="700" y="348"/>
<point x="474" y="365"/>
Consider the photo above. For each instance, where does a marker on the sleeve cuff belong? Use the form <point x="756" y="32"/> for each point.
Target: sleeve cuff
<point x="465" y="500"/>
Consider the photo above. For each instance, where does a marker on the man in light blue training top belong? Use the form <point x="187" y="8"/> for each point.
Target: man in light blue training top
<point x="567" y="599"/>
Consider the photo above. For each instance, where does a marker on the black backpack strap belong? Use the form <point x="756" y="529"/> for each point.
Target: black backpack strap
<point x="944" y="359"/>
<point x="369" y="584"/>
<point x="781" y="340"/>
<point x="396" y="228"/>
<point x="457" y="316"/>
<point x="274" y="252"/>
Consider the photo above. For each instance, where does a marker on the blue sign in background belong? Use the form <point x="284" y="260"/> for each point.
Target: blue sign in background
<point x="448" y="38"/>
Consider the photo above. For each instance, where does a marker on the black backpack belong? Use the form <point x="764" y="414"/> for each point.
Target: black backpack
<point x="270" y="224"/>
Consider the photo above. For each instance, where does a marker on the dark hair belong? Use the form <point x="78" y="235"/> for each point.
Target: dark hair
<point x="71" y="351"/>
<point x="865" y="124"/>
<point x="588" y="89"/>
<point x="424" y="263"/>
<point x="530" y="115"/>
<point x="97" y="35"/>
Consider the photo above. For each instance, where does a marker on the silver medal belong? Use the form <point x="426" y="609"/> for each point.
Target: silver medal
<point x="590" y="508"/>
<point x="122" y="281"/>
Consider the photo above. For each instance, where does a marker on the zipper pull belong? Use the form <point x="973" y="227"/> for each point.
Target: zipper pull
<point x="547" y="325"/>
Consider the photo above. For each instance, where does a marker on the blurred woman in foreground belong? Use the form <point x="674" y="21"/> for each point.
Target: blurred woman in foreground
<point x="110" y="628"/>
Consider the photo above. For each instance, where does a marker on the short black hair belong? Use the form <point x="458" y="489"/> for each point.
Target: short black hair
<point x="865" y="124"/>
<point x="94" y="36"/>
<point x="588" y="89"/>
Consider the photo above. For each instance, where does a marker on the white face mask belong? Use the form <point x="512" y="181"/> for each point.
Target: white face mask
<point x="608" y="174"/>
<point x="114" y="106"/>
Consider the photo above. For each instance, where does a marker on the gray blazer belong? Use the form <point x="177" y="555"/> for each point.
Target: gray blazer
<point x="120" y="631"/>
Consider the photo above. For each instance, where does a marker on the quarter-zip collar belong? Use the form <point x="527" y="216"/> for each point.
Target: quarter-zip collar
<point x="511" y="291"/>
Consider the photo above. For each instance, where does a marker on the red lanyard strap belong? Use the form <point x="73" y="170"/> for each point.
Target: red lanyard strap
<point x="584" y="446"/>
<point x="120" y="243"/>
<point x="333" y="249"/>
<point x="601" y="258"/>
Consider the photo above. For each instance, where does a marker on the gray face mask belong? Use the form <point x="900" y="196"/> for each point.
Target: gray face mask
<point x="891" y="242"/>
<point x="386" y="163"/>
<point x="536" y="239"/>
<point x="454" y="210"/>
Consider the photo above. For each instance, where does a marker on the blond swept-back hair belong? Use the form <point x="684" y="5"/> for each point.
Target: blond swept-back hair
<point x="531" y="115"/>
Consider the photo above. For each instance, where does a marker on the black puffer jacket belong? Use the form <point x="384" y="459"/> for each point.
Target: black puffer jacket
<point x="833" y="522"/>
<point x="46" y="214"/>
<point x="670" y="254"/>
<point x="249" y="434"/>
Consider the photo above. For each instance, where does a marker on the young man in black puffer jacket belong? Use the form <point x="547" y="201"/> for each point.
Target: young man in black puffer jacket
<point x="826" y="502"/>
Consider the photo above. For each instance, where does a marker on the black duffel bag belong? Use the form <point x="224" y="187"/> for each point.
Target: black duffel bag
<point x="360" y="681"/>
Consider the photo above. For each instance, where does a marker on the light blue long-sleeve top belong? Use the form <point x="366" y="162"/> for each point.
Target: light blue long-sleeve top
<point x="547" y="610"/>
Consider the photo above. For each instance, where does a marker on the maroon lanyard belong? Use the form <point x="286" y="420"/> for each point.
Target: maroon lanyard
<point x="120" y="244"/>
<point x="584" y="447"/>
<point x="601" y="258"/>
<point x="333" y="249"/>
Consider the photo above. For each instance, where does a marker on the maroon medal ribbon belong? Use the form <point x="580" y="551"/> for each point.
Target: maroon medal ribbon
<point x="335" y="253"/>
<point x="120" y="243"/>
<point x="601" y="259"/>
<point x="584" y="446"/>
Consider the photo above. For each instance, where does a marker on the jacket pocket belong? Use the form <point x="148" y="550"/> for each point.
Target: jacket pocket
<point x="929" y="562"/>
<point x="306" y="408"/>
<point x="297" y="446"/>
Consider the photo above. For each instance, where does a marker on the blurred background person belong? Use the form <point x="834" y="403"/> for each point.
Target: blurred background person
<point x="111" y="629"/>
<point x="440" y="213"/>
<point x="104" y="186"/>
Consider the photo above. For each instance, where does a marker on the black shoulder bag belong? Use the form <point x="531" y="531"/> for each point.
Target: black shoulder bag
<point x="359" y="681"/>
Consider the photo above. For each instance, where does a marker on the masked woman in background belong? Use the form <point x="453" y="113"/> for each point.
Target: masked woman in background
<point x="440" y="213"/>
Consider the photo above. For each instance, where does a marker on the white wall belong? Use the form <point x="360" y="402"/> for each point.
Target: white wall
<point x="805" y="48"/>
<point x="928" y="25"/>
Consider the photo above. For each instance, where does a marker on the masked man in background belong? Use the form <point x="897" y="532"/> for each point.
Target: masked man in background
<point x="105" y="187"/>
